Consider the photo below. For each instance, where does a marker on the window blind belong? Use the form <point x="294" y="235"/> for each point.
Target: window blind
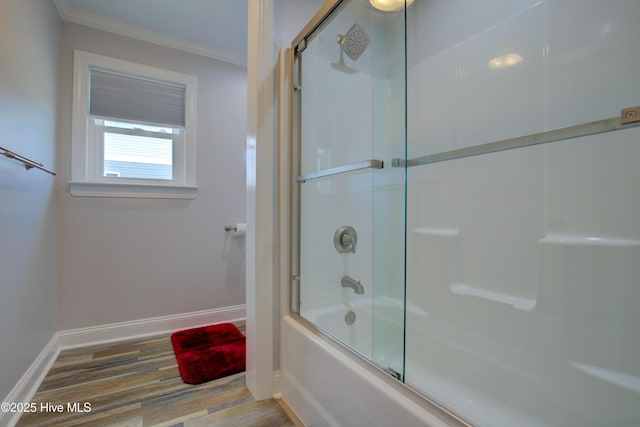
<point x="126" y="97"/>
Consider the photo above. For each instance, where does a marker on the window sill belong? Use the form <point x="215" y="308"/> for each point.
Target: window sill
<point x="140" y="191"/>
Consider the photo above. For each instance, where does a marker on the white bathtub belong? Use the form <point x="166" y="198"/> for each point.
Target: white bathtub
<point x="328" y="385"/>
<point x="435" y="356"/>
<point x="477" y="375"/>
<point x="384" y="320"/>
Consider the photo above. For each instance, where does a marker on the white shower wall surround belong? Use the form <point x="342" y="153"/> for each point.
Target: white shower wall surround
<point x="521" y="266"/>
<point x="531" y="294"/>
<point x="341" y="135"/>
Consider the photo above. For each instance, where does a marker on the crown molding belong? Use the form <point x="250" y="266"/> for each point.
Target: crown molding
<point x="76" y="16"/>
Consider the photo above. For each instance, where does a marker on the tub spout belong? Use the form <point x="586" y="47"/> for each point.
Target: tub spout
<point x="348" y="282"/>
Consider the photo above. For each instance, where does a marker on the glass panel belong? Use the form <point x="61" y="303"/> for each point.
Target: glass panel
<point x="135" y="156"/>
<point x="523" y="265"/>
<point x="389" y="141"/>
<point x="352" y="225"/>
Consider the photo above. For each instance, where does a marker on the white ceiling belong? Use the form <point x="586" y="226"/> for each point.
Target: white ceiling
<point x="212" y="28"/>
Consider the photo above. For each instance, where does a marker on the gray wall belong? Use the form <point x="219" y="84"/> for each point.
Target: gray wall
<point x="29" y="36"/>
<point x="290" y="17"/>
<point x="128" y="259"/>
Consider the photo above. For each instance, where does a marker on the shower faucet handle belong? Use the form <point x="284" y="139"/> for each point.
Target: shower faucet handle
<point x="345" y="239"/>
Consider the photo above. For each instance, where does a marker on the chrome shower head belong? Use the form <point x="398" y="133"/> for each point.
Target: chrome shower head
<point x="355" y="42"/>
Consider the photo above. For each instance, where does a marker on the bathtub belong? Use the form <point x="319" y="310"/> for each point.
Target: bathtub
<point x="476" y="374"/>
<point x="328" y="385"/>
<point x="386" y="349"/>
<point x="434" y="353"/>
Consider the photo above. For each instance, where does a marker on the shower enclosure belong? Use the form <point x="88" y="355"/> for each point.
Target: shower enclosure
<point x="466" y="214"/>
<point x="352" y="108"/>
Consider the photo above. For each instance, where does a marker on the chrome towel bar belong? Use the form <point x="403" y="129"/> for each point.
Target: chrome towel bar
<point x="367" y="164"/>
<point x="629" y="117"/>
<point x="28" y="163"/>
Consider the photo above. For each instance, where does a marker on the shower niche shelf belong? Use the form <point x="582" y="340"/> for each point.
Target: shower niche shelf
<point x="441" y="232"/>
<point x="451" y="240"/>
<point x="573" y="240"/>
<point x="516" y="302"/>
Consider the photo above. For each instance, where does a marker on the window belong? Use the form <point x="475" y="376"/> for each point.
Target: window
<point x="137" y="151"/>
<point x="133" y="130"/>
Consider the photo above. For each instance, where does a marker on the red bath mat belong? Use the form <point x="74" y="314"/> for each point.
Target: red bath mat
<point x="209" y="352"/>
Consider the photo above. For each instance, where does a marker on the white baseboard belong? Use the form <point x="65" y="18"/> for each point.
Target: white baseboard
<point x="148" y="327"/>
<point x="26" y="387"/>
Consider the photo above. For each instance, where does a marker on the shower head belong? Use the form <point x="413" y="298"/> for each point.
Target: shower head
<point x="341" y="66"/>
<point x="355" y="42"/>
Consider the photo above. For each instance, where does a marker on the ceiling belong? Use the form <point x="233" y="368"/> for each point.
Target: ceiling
<point x="212" y="28"/>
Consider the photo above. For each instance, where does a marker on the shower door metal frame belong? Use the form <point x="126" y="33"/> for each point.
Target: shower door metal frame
<point x="298" y="45"/>
<point x="308" y="32"/>
<point x="294" y="170"/>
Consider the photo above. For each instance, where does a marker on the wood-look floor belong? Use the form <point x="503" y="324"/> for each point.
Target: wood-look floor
<point x="136" y="383"/>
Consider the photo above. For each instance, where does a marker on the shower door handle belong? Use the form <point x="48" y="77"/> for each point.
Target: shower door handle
<point x="367" y="164"/>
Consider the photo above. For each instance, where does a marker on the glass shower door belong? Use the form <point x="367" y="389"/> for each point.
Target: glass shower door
<point x="523" y="213"/>
<point x="349" y="89"/>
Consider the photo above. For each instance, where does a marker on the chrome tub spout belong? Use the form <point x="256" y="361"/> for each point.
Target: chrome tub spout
<point x="348" y="282"/>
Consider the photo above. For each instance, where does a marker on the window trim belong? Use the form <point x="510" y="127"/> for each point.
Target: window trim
<point x="86" y="179"/>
